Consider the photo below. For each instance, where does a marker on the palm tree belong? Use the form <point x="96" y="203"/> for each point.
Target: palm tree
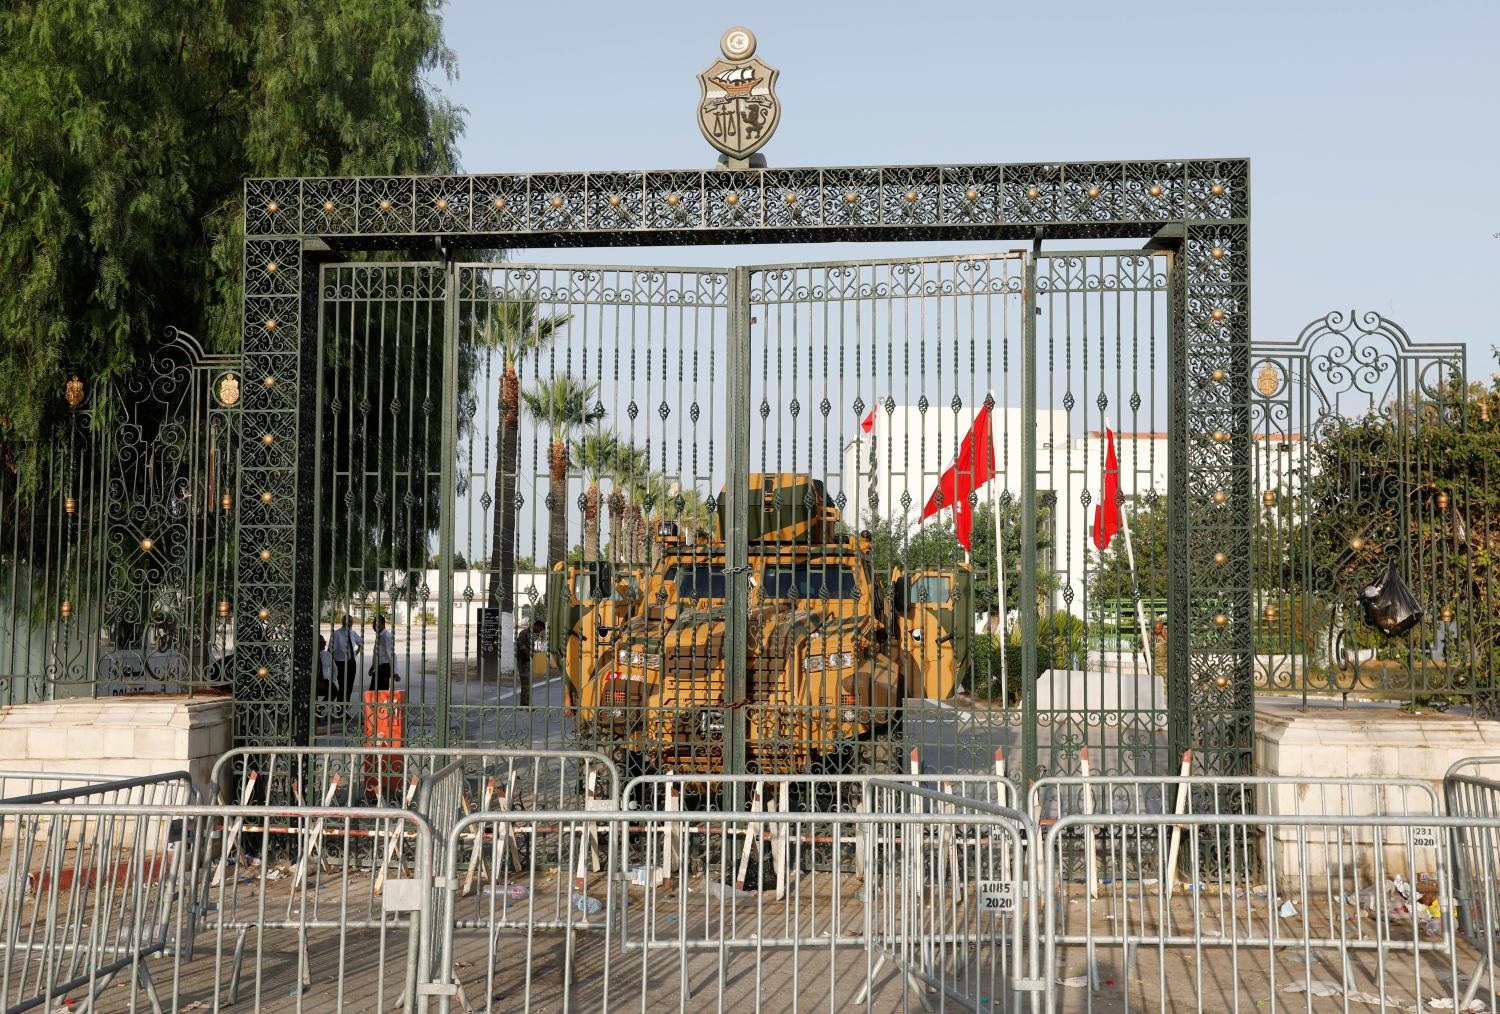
<point x="596" y="453"/>
<point x="515" y="329"/>
<point x="624" y="471"/>
<point x="562" y="404"/>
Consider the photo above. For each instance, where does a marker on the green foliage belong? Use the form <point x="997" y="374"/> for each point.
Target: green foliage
<point x="935" y="544"/>
<point x="1060" y="645"/>
<point x="129" y="127"/>
<point x="1110" y="576"/>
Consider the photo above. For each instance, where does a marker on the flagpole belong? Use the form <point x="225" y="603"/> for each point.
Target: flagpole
<point x="1135" y="584"/>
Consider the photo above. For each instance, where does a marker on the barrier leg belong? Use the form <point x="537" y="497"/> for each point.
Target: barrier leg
<point x="232" y="834"/>
<point x="237" y="966"/>
<point x="752" y="834"/>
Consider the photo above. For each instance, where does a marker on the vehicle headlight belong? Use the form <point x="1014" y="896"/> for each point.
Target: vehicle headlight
<point x="627" y="656"/>
<point x="833" y="660"/>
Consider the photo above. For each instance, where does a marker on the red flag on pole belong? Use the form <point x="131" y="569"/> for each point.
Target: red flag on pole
<point x="868" y="423"/>
<point x="974" y="467"/>
<point x="1107" y="511"/>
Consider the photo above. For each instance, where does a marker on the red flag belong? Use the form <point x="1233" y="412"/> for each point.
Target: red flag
<point x="868" y="422"/>
<point x="975" y="467"/>
<point x="1107" y="511"/>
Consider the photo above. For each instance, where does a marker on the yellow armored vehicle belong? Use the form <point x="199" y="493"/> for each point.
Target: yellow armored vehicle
<point x="829" y="660"/>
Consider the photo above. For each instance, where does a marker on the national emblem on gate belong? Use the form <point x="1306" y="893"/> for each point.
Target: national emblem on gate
<point x="739" y="110"/>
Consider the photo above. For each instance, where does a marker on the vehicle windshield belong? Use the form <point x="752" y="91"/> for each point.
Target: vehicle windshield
<point x="697" y="580"/>
<point x="813" y="580"/>
<point x="931" y="589"/>
<point x="598" y="585"/>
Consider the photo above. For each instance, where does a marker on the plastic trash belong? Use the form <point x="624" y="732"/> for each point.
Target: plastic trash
<point x="1287" y="910"/>
<point x="714" y="889"/>
<point x="586" y="905"/>
<point x="1448" y="1003"/>
<point x="1389" y="604"/>
<point x="1315" y="987"/>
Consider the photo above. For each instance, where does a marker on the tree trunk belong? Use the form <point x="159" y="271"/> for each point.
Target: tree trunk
<point x="633" y="523"/>
<point x="557" y="534"/>
<point x="502" y="594"/>
<point x="616" y="516"/>
<point x="591" y="523"/>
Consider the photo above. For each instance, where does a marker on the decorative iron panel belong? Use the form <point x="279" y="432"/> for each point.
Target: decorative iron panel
<point x="116" y="550"/>
<point x="1369" y="451"/>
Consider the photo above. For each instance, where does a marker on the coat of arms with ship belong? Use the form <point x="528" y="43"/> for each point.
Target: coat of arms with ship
<point x="739" y="110"/>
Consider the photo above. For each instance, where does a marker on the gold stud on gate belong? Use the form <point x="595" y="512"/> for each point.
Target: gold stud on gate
<point x="73" y="391"/>
<point x="70" y="506"/>
<point x="1442" y="501"/>
<point x="1094" y="192"/>
<point x="1447" y="614"/>
<point x="1268" y="498"/>
<point x="1221" y="497"/>
<point x="1221" y="682"/>
<point x="263" y="614"/>
<point x="1221" y="558"/>
<point x="731" y="198"/>
<point x="265" y="556"/>
<point x="1156" y="190"/>
<point x="1217" y="253"/>
<point x="1217" y="190"/>
<point x="226" y="502"/>
<point x="1271" y="611"/>
<point x="1219" y="376"/>
<point x="1221" y="620"/>
<point x="147" y="545"/>
<point x="224" y="609"/>
<point x="1356" y="543"/>
<point x="265" y="497"/>
<point x="66" y="609"/>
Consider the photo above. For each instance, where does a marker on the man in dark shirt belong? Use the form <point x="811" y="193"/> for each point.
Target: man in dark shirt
<point x="525" y="644"/>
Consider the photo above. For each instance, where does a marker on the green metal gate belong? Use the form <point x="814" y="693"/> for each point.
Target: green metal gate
<point x="709" y="486"/>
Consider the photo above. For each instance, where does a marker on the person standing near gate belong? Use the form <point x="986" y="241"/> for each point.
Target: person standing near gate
<point x="347" y="643"/>
<point x="383" y="672"/>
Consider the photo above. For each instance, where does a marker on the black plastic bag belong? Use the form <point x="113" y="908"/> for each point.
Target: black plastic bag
<point x="1389" y="604"/>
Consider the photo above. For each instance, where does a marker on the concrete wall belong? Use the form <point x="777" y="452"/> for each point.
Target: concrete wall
<point x="124" y="737"/>
<point x="1359" y="743"/>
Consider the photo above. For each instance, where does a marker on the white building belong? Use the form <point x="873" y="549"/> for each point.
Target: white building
<point x="909" y="450"/>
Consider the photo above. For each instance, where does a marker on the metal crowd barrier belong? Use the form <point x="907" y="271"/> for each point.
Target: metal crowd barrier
<point x="388" y="776"/>
<point x="169" y="789"/>
<point x="915" y="892"/>
<point x="1475" y="798"/>
<point x="1244" y="924"/>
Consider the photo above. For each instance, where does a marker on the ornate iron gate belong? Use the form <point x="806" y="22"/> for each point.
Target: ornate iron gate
<point x="117" y="538"/>
<point x="723" y="492"/>
<point x="1369" y="451"/>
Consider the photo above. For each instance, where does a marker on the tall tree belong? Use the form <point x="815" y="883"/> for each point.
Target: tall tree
<point x="130" y="127"/>
<point x="624" y="470"/>
<point x="515" y="329"/>
<point x="562" y="404"/>
<point x="595" y="453"/>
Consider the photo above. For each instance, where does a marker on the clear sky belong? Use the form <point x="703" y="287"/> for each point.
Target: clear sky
<point x="1372" y="128"/>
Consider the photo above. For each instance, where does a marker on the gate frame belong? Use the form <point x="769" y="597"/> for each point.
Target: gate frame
<point x="1198" y="208"/>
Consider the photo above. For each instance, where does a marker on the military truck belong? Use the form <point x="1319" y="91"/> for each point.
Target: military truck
<point x="832" y="649"/>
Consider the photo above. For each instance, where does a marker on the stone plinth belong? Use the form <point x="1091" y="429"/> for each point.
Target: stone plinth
<point x="1359" y="743"/>
<point x="121" y="736"/>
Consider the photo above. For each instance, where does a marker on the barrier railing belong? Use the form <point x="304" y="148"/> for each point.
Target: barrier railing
<point x="169" y="789"/>
<point x="1252" y="926"/>
<point x="97" y="918"/>
<point x="1476" y="845"/>
<point x="387" y="776"/>
<point x="916" y="893"/>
